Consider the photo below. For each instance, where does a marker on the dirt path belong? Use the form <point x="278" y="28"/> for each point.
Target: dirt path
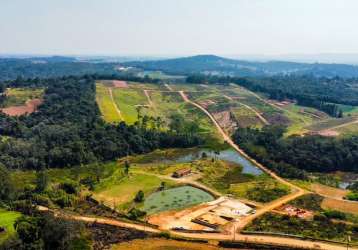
<point x="250" y="108"/>
<point x="297" y="191"/>
<point x="340" y="126"/>
<point x="146" y="92"/>
<point x="114" y="104"/>
<point x="168" y="87"/>
<point x="270" y="240"/>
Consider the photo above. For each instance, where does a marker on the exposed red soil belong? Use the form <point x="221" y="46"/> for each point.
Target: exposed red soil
<point x="30" y="107"/>
<point x="119" y="84"/>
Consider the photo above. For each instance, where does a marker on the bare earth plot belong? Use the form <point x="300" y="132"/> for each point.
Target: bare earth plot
<point x="30" y="107"/>
<point x="21" y="101"/>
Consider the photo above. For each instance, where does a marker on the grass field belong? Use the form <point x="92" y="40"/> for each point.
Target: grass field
<point x="329" y="123"/>
<point x="127" y="100"/>
<point x="119" y="190"/>
<point x="7" y="220"/>
<point x="106" y="105"/>
<point x="162" y="244"/>
<point x="19" y="96"/>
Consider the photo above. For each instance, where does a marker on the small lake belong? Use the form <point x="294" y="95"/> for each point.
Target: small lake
<point x="226" y="155"/>
<point x="175" y="198"/>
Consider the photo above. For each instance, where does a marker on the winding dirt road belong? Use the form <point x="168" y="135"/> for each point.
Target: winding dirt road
<point x="297" y="191"/>
<point x="269" y="240"/>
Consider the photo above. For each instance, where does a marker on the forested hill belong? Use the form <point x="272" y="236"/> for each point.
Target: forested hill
<point x="11" y="68"/>
<point x="67" y="130"/>
<point x="223" y="66"/>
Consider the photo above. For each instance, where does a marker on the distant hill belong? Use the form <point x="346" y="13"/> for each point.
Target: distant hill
<point x="215" y="65"/>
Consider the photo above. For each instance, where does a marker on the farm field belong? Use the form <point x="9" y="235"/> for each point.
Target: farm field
<point x="7" y="220"/>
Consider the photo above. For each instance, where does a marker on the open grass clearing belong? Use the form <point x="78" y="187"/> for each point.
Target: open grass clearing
<point x="130" y="102"/>
<point x="7" y="220"/>
<point x="106" y="104"/>
<point x="119" y="190"/>
<point x="19" y="96"/>
<point x="330" y="123"/>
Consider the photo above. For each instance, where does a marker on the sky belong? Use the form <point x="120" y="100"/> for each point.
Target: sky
<point x="178" y="27"/>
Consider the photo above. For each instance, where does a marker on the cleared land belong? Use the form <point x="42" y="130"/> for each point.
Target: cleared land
<point x="327" y="191"/>
<point x="30" y="107"/>
<point x="106" y="104"/>
<point x="7" y="220"/>
<point x="21" y="101"/>
<point x="19" y="96"/>
<point x="340" y="205"/>
<point x="163" y="244"/>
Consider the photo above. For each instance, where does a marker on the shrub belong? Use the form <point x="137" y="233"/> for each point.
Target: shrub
<point x="139" y="196"/>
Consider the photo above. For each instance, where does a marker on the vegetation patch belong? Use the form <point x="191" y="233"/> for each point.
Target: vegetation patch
<point x="310" y="202"/>
<point x="19" y="96"/>
<point x="7" y="221"/>
<point x="320" y="227"/>
<point x="119" y="190"/>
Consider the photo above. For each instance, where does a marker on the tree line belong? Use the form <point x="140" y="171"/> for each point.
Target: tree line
<point x="67" y="130"/>
<point x="291" y="157"/>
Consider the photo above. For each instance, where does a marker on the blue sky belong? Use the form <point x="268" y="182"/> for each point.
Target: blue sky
<point x="178" y="27"/>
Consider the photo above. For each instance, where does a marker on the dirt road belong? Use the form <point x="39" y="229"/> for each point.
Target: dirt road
<point x="114" y="103"/>
<point x="271" y="240"/>
<point x="340" y="126"/>
<point x="297" y="191"/>
<point x="150" y="103"/>
<point x="250" y="108"/>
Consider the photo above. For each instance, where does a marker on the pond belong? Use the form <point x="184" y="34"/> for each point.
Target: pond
<point x="227" y="155"/>
<point x="175" y="198"/>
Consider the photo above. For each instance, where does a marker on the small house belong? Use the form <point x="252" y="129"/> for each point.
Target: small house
<point x="181" y="172"/>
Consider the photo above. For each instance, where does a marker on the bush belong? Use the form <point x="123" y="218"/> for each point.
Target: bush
<point x="334" y="214"/>
<point x="69" y="187"/>
<point x="353" y="196"/>
<point x="139" y="196"/>
<point x="135" y="213"/>
<point x="41" y="200"/>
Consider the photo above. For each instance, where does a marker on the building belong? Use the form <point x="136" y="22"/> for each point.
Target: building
<point x="181" y="172"/>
